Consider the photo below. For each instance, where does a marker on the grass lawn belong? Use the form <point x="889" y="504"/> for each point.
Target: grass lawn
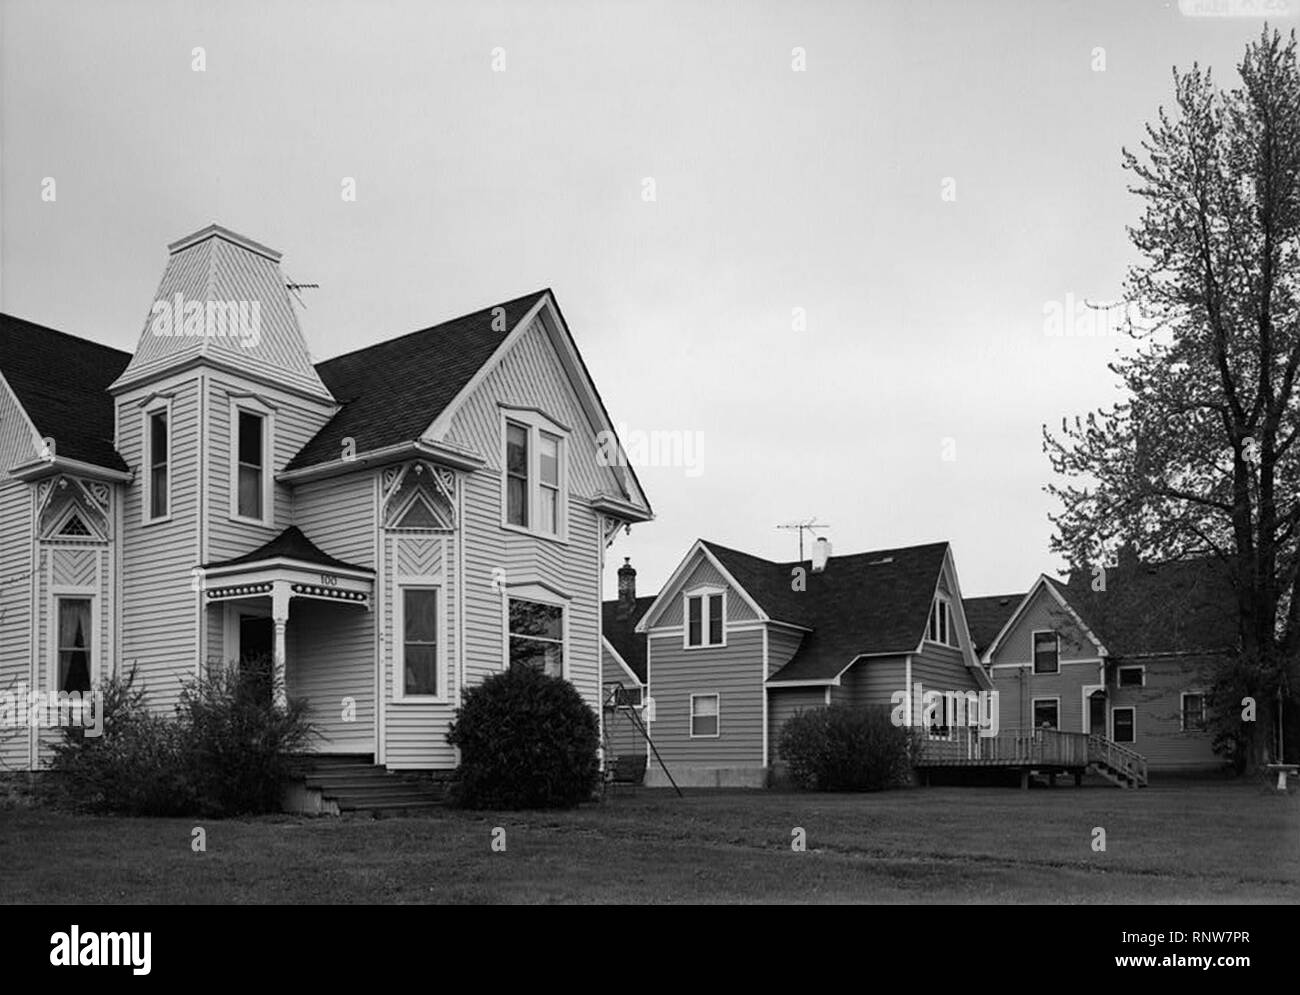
<point x="1179" y="843"/>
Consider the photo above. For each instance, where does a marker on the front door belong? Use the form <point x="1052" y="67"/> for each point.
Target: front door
<point x="1097" y="713"/>
<point x="256" y="646"/>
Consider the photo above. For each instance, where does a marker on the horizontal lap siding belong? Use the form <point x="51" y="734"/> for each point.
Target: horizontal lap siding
<point x="294" y="423"/>
<point x="733" y="672"/>
<point x="332" y="660"/>
<point x="530" y="375"/>
<point x="782" y="644"/>
<point x="1158" y="704"/>
<point x="621" y="733"/>
<point x="871" y="681"/>
<point x="1017" y="688"/>
<point x="76" y="570"/>
<point x="16" y="532"/>
<point x="704" y="574"/>
<point x="942" y="668"/>
<point x="782" y="705"/>
<point x="1044" y="612"/>
<point x="159" y="605"/>
<point x="335" y="652"/>
<point x="415" y="731"/>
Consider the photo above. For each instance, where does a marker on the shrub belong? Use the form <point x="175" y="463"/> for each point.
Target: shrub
<point x="239" y="745"/>
<point x="135" y="767"/>
<point x="846" y="748"/>
<point x="527" y="740"/>
<point x="227" y="750"/>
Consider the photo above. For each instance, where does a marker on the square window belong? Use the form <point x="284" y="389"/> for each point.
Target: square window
<point x="1131" y="677"/>
<point x="704" y="714"/>
<point x="537" y="636"/>
<point x="1047" y="713"/>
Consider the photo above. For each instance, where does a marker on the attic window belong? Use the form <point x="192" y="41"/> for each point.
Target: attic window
<point x="74" y="526"/>
<point x="940" y="628"/>
<point x="534" y="480"/>
<point x="704" y="620"/>
<point x="1047" y="653"/>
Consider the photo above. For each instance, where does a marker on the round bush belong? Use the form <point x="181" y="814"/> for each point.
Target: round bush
<point x="846" y="748"/>
<point x="526" y="740"/>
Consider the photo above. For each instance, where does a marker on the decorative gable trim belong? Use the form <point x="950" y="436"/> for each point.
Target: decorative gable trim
<point x="670" y="589"/>
<point x="580" y="382"/>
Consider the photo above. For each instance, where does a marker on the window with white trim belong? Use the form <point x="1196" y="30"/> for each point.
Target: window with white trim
<point x="536" y="635"/>
<point x="251" y="464"/>
<point x="1047" y="652"/>
<point x="74" y="653"/>
<point x="418" y="657"/>
<point x="1131" y="677"/>
<point x="251" y="449"/>
<point x="1192" y="710"/>
<point x="940" y="629"/>
<point x="157" y="462"/>
<point x="705" y="615"/>
<point x="705" y="716"/>
<point x="534" y="476"/>
<point x="1123" y="725"/>
<point x="1047" y="713"/>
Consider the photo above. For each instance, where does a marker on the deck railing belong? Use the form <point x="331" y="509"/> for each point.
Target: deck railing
<point x="1009" y="748"/>
<point x="1117" y="757"/>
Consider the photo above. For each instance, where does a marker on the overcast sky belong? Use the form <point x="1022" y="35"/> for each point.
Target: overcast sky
<point x="933" y="179"/>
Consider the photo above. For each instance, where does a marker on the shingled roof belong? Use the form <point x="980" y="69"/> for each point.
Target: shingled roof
<point x="291" y="544"/>
<point x="391" y="392"/>
<point x="622" y="635"/>
<point x="1177" y="606"/>
<point x="62" y="383"/>
<point x="986" y="616"/>
<point x="872" y="603"/>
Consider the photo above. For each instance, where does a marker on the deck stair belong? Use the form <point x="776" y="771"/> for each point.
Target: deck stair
<point x="332" y="785"/>
<point x="1116" y="762"/>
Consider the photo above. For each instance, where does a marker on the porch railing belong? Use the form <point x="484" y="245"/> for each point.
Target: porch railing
<point x="1117" y="757"/>
<point x="1010" y="748"/>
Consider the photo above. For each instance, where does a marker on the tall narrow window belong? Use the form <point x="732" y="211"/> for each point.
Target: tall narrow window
<point x="251" y="466"/>
<point x="74" y="644"/>
<point x="548" y="478"/>
<point x="537" y="636"/>
<point x="695" y="621"/>
<point x="419" y="641"/>
<point x="158" y="476"/>
<point x="715" y="619"/>
<point x="941" y="623"/>
<point x="1123" y="724"/>
<point x="516" y="474"/>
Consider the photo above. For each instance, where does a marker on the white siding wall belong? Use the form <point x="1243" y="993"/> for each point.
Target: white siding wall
<point x="16" y="566"/>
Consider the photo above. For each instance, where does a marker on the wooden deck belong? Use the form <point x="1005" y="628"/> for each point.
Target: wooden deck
<point x="1047" y="750"/>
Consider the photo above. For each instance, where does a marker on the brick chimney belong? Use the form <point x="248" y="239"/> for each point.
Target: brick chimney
<point x="626" y="588"/>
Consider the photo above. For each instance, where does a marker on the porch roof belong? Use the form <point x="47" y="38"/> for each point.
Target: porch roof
<point x="291" y="544"/>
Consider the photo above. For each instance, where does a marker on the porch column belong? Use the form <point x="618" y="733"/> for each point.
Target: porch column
<point x="280" y="617"/>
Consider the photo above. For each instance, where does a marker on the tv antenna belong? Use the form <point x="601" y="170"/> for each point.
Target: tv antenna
<point x="293" y="288"/>
<point x="811" y="526"/>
